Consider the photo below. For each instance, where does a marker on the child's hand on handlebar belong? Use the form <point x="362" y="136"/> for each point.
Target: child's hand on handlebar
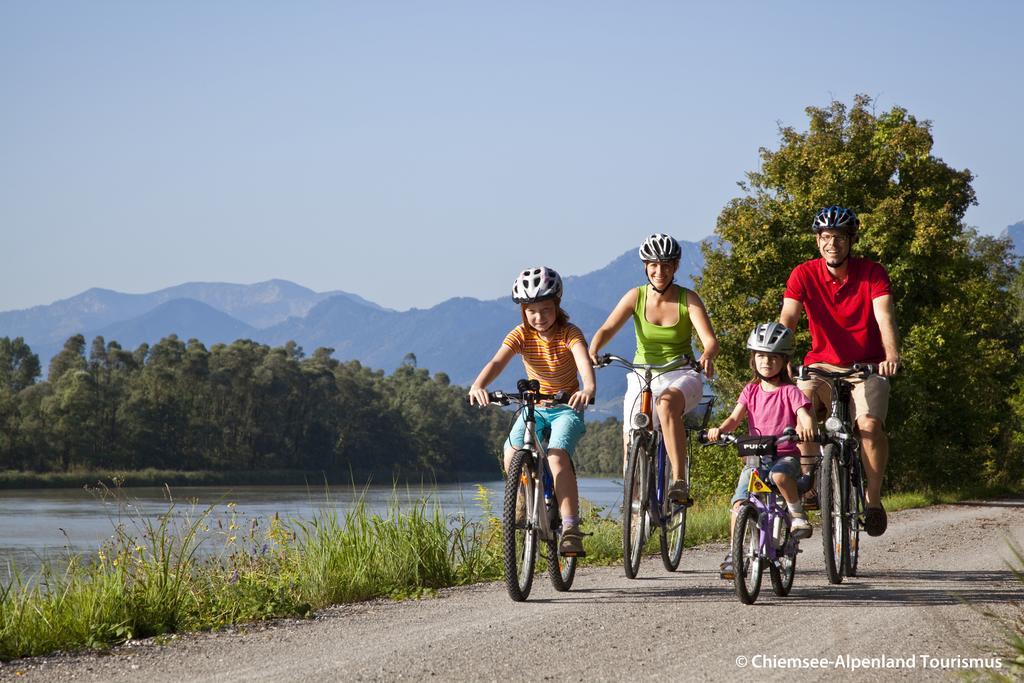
<point x="581" y="399"/>
<point x="805" y="433"/>
<point x="478" y="396"/>
<point x="713" y="434"/>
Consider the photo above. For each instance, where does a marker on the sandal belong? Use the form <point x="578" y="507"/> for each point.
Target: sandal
<point x="726" y="570"/>
<point x="875" y="521"/>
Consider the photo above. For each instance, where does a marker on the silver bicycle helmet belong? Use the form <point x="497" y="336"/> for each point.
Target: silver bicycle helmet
<point x="836" y="218"/>
<point x="772" y="338"/>
<point x="660" y="247"/>
<point x="537" y="284"/>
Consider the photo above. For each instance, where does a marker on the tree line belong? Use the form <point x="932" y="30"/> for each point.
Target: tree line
<point x="234" y="407"/>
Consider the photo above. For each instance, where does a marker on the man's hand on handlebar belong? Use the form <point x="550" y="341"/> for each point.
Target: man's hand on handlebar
<point x="888" y="367"/>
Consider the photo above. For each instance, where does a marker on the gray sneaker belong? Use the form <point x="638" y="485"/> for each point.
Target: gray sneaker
<point x="679" y="492"/>
<point x="571" y="544"/>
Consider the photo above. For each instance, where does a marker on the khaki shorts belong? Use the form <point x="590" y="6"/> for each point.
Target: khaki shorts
<point x="869" y="397"/>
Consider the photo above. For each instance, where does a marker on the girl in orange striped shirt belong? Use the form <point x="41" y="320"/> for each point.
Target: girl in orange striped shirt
<point x="554" y="351"/>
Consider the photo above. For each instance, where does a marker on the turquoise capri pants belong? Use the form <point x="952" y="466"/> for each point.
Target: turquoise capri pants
<point x="566" y="426"/>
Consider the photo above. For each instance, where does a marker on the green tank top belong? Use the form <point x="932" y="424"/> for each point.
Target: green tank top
<point x="657" y="344"/>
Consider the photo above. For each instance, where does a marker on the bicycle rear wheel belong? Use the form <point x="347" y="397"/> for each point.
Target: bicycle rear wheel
<point x="634" y="504"/>
<point x="519" y="547"/>
<point x="746" y="555"/>
<point x="830" y="497"/>
<point x="855" y="515"/>
<point x="782" y="575"/>
<point x="673" y="529"/>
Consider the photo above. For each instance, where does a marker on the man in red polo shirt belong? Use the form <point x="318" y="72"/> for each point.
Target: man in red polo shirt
<point x="849" y="308"/>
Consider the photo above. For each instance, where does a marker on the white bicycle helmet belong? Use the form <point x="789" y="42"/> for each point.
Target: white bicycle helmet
<point x="772" y="338"/>
<point x="537" y="284"/>
<point x="660" y="247"/>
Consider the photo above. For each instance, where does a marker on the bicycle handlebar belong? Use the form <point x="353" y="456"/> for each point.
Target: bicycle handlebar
<point x="862" y="369"/>
<point x="611" y="359"/>
<point x="787" y="436"/>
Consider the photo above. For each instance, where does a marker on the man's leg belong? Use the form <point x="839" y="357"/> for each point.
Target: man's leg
<point x="874" y="455"/>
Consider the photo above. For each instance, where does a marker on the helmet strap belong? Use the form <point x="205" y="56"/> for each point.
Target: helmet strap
<point x="773" y="378"/>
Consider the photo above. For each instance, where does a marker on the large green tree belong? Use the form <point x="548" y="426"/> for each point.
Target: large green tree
<point x="961" y="344"/>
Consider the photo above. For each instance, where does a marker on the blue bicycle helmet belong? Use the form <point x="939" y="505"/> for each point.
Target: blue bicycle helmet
<point x="836" y="218"/>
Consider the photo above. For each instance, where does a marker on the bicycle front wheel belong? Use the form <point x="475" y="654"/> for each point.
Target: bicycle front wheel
<point x="634" y="505"/>
<point x="519" y="547"/>
<point x="855" y="515"/>
<point x="830" y="496"/>
<point x="673" y="527"/>
<point x="746" y="555"/>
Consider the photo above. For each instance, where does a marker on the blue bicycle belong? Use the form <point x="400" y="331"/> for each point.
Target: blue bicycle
<point x="645" y="503"/>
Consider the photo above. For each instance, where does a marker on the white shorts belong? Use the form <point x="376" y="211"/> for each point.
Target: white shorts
<point x="685" y="380"/>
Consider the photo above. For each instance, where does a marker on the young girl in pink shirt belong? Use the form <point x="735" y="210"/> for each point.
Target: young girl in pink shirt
<point x="771" y="403"/>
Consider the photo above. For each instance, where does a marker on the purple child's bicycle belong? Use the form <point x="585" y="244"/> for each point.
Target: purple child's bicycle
<point x="762" y="537"/>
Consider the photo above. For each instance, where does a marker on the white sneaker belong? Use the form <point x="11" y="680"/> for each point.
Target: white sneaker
<point x="801" y="528"/>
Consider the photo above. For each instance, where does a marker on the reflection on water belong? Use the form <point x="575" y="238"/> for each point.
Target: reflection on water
<point x="45" y="524"/>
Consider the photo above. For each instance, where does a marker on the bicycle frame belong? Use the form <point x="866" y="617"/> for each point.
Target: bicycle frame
<point x="542" y="488"/>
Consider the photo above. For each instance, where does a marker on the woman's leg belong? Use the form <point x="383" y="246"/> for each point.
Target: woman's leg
<point x="671" y="405"/>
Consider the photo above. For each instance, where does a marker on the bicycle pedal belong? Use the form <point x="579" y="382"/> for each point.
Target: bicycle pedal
<point x="580" y="554"/>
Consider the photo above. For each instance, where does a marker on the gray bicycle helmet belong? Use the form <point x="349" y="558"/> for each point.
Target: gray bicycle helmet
<point x="660" y="247"/>
<point x="836" y="218"/>
<point x="772" y="338"/>
<point x="537" y="284"/>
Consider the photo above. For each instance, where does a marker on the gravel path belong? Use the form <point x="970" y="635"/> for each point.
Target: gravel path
<point x="920" y="599"/>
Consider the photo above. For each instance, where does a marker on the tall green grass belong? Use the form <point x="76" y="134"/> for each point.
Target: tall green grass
<point x="150" y="578"/>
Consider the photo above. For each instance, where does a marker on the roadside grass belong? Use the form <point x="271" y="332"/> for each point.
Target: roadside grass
<point x="150" y="578"/>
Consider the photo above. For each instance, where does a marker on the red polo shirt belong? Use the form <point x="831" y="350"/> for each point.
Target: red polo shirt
<point x="839" y="313"/>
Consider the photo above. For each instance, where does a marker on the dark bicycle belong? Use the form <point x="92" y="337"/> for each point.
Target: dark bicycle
<point x="645" y="502"/>
<point x="841" y="478"/>
<point x="529" y="487"/>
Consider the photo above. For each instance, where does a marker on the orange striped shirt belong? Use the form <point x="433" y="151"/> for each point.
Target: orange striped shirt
<point x="549" y="362"/>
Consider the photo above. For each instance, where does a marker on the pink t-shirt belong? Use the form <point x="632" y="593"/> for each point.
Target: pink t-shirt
<point x="770" y="412"/>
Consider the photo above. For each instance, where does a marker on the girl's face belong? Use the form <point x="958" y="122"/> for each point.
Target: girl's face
<point x="660" y="273"/>
<point x="541" y="315"/>
<point x="768" y="364"/>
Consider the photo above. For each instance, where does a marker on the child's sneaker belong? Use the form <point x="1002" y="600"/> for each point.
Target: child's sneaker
<point x="800" y="527"/>
<point x="726" y="569"/>
<point x="571" y="544"/>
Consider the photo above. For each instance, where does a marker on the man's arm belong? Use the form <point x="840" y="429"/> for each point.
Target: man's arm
<point x="791" y="312"/>
<point x="886" y="317"/>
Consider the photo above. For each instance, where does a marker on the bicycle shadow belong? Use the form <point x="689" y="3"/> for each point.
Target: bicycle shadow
<point x="927" y="587"/>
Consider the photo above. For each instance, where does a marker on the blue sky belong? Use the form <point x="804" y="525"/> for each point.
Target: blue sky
<point x="410" y="152"/>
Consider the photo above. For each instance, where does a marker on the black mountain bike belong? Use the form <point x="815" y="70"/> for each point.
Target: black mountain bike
<point x="841" y="478"/>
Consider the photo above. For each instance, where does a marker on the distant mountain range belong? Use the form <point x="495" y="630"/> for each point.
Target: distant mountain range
<point x="456" y="336"/>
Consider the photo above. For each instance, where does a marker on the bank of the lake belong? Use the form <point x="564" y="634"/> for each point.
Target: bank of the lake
<point x="20" y="479"/>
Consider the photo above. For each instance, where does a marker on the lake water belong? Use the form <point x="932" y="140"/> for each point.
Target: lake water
<point x="45" y="524"/>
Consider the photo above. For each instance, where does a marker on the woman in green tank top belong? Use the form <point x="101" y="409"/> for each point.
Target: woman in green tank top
<point x="665" y="317"/>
